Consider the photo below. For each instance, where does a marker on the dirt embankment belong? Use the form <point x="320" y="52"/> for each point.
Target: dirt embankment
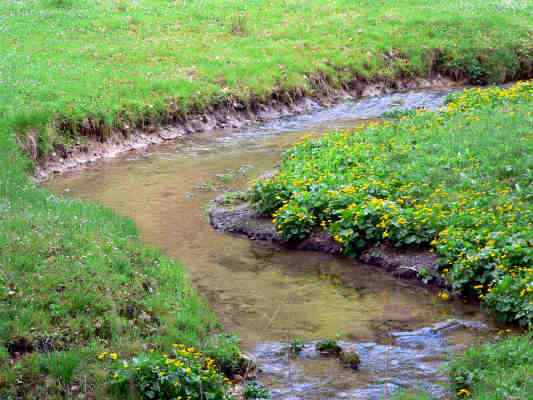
<point x="97" y="141"/>
<point x="409" y="263"/>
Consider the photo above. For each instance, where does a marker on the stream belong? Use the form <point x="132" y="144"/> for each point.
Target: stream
<point x="269" y="296"/>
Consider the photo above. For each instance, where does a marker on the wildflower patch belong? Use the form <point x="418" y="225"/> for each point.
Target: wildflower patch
<point x="457" y="181"/>
<point x="186" y="373"/>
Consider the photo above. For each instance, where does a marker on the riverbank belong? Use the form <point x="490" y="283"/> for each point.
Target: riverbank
<point x="227" y="116"/>
<point x="497" y="371"/>
<point x="149" y="64"/>
<point x="232" y="213"/>
<point x="76" y="282"/>
<point x="386" y="185"/>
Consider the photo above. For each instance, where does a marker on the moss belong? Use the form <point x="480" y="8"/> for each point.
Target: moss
<point x="350" y="359"/>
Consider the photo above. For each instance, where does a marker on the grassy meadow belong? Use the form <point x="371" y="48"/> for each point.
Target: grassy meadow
<point x="120" y="62"/>
<point x="80" y="295"/>
<point x="75" y="281"/>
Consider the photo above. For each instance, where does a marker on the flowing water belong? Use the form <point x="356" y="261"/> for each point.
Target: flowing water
<point x="267" y="295"/>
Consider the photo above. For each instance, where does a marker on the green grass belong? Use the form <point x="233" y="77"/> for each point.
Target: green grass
<point x="406" y="395"/>
<point x="75" y="280"/>
<point x="118" y="61"/>
<point x="495" y="371"/>
<point x="457" y="182"/>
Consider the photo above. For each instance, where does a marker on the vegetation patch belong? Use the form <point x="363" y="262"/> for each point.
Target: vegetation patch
<point x="75" y="281"/>
<point x="495" y="371"/>
<point x="458" y="182"/>
<point x="256" y="391"/>
<point x="296" y="346"/>
<point x="350" y="359"/>
<point x="328" y="347"/>
<point x="185" y="373"/>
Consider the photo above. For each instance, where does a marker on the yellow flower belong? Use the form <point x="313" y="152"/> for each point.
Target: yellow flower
<point x="102" y="355"/>
<point x="444" y="296"/>
<point x="464" y="393"/>
<point x="113" y="356"/>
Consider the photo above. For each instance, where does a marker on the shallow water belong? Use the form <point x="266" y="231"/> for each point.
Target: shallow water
<point x="265" y="294"/>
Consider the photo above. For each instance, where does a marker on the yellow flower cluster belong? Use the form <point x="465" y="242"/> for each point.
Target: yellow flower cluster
<point x="185" y="373"/>
<point x="106" y="355"/>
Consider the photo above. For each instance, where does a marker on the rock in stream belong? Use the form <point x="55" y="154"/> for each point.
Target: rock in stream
<point x="411" y="360"/>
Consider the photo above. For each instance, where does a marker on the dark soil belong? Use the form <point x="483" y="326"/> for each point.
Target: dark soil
<point x="408" y="263"/>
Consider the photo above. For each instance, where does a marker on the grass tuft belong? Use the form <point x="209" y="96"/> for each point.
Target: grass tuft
<point x="495" y="371"/>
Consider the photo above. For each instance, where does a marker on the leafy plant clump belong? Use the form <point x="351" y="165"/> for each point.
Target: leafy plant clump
<point x="328" y="347"/>
<point x="350" y="359"/>
<point x="296" y="346"/>
<point x="458" y="182"/>
<point x="185" y="373"/>
<point x="256" y="391"/>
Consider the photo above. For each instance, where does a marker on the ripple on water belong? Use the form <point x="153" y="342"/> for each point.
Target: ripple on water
<point x="412" y="359"/>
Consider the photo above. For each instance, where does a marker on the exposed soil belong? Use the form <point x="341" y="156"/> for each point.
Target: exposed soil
<point x="99" y="142"/>
<point x="402" y="262"/>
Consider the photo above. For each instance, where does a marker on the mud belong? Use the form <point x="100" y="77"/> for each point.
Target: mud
<point x="403" y="263"/>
